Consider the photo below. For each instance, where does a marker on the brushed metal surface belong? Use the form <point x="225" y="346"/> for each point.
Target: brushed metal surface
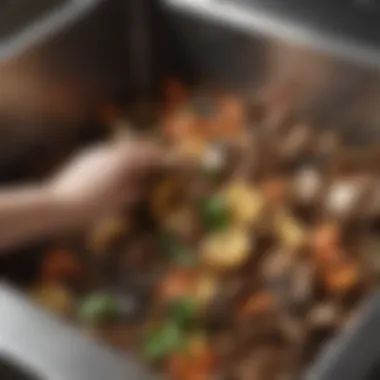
<point x="333" y="82"/>
<point x="355" y="353"/>
<point x="55" y="69"/>
<point x="53" y="350"/>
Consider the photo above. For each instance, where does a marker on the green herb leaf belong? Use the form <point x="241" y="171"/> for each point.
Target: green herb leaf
<point x="215" y="214"/>
<point x="183" y="311"/>
<point x="163" y="341"/>
<point x="97" y="308"/>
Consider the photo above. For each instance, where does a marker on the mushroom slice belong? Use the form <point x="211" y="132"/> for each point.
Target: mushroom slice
<point x="303" y="276"/>
<point x="324" y="315"/>
<point x="276" y="270"/>
<point x="307" y="185"/>
<point x="345" y="195"/>
<point x="213" y="159"/>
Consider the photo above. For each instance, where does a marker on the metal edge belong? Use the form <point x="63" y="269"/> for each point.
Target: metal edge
<point x="61" y="17"/>
<point x="76" y="357"/>
<point x="352" y="353"/>
<point x="266" y="23"/>
<point x="54" y="350"/>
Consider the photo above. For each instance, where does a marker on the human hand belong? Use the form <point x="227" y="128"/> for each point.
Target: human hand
<point x="102" y="179"/>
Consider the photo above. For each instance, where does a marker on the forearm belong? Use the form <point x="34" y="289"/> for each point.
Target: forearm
<point x="32" y="213"/>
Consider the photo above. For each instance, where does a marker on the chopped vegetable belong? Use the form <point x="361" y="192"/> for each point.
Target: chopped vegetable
<point x="177" y="284"/>
<point x="341" y="279"/>
<point x="291" y="232"/>
<point x="274" y="191"/>
<point x="206" y="290"/>
<point x="192" y="149"/>
<point x="59" y="265"/>
<point x="324" y="315"/>
<point x="181" y="125"/>
<point x="343" y="197"/>
<point x="213" y="160"/>
<point x="215" y="214"/>
<point x="326" y="243"/>
<point x="105" y="233"/>
<point x="197" y="362"/>
<point x="307" y="185"/>
<point x="245" y="203"/>
<point x="163" y="341"/>
<point x="226" y="250"/>
<point x="54" y="297"/>
<point x="183" y="311"/>
<point x="97" y="308"/>
<point x="230" y="118"/>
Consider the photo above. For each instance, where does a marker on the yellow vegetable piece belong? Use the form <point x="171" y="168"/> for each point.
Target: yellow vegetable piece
<point x="245" y="203"/>
<point x="290" y="231"/>
<point x="105" y="233"/>
<point x="55" y="298"/>
<point x="226" y="250"/>
<point x="206" y="290"/>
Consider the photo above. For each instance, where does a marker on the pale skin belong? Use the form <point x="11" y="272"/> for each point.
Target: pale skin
<point x="95" y="184"/>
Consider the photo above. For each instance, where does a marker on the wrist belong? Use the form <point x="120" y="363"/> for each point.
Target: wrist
<point x="72" y="211"/>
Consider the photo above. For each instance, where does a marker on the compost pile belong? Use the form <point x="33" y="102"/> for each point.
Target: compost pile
<point x="252" y="248"/>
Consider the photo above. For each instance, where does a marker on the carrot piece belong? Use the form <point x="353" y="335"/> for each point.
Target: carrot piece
<point x="179" y="283"/>
<point x="58" y="265"/>
<point x="229" y="121"/>
<point x="180" y="125"/>
<point x="325" y="244"/>
<point x="274" y="190"/>
<point x="257" y="305"/>
<point x="342" y="278"/>
<point x="196" y="363"/>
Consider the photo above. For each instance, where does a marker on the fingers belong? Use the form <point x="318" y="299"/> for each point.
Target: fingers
<point x="141" y="156"/>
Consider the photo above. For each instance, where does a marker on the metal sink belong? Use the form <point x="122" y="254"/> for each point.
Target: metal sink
<point x="35" y="345"/>
<point x="9" y="370"/>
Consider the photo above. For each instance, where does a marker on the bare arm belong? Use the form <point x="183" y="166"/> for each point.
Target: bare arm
<point x="93" y="185"/>
<point x="34" y="212"/>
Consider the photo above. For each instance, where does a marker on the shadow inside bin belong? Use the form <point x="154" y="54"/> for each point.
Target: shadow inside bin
<point x="11" y="371"/>
<point x="374" y="372"/>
